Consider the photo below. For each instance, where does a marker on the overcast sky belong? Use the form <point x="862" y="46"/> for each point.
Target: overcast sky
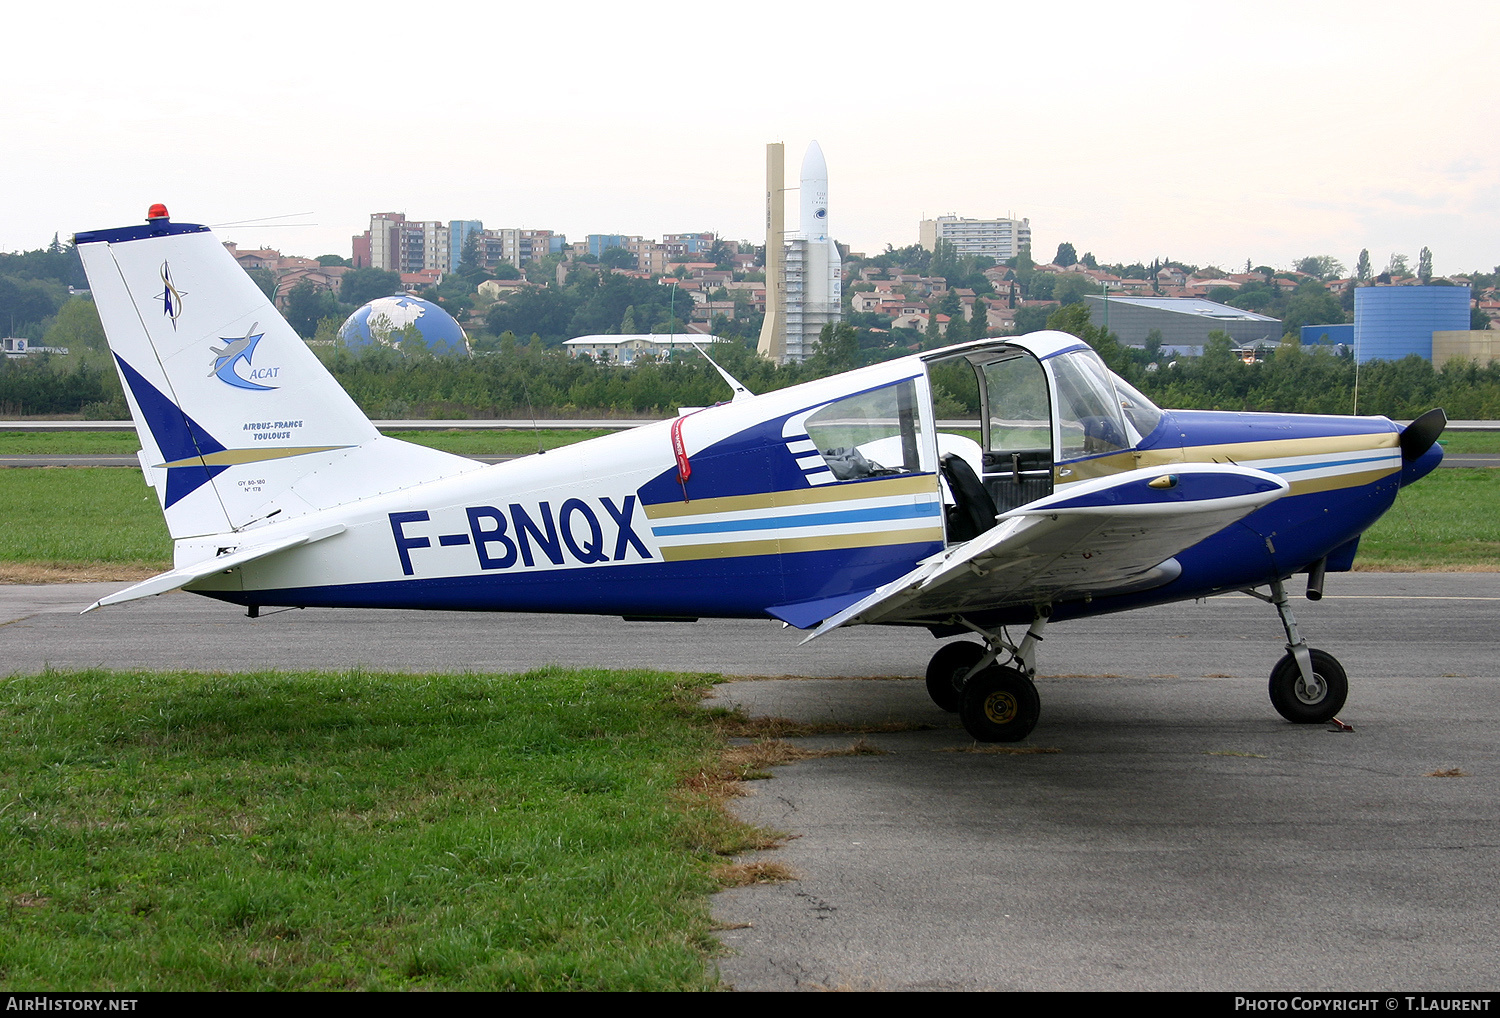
<point x="1262" y="131"/>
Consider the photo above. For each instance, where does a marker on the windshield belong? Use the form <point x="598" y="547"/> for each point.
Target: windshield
<point x="1089" y="415"/>
<point x="1142" y="414"/>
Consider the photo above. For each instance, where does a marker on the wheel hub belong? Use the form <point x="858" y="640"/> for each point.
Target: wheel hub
<point x="1001" y="707"/>
<point x="1311" y="693"/>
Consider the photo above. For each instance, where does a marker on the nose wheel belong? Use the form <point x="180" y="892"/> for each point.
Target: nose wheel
<point x="1309" y="702"/>
<point x="1308" y="687"/>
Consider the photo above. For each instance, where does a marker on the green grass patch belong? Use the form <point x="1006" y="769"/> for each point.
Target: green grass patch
<point x="183" y="831"/>
<point x="79" y="515"/>
<point x="505" y="442"/>
<point x="75" y="517"/>
<point x="68" y="443"/>
<point x="1450" y="519"/>
<point x="465" y="442"/>
<point x="1470" y="441"/>
<point x="518" y="442"/>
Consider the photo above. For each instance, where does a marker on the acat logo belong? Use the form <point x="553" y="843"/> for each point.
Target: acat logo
<point x="519" y="535"/>
<point x="227" y="358"/>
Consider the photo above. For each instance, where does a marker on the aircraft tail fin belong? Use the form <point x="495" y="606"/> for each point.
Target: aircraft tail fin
<point x="238" y="420"/>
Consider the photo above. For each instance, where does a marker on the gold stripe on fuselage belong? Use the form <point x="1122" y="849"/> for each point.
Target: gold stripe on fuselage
<point x="1315" y="484"/>
<point x="1282" y="448"/>
<point x="1245" y="454"/>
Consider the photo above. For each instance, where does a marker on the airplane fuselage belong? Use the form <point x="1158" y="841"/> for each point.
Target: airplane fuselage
<point x="607" y="527"/>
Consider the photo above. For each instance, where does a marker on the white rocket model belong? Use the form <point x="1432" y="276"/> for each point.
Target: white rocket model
<point x="814" y="270"/>
<point x="814" y="193"/>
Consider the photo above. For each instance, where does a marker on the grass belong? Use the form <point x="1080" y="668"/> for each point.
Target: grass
<point x="102" y="519"/>
<point x="498" y="443"/>
<point x="103" y="523"/>
<point x="185" y="831"/>
<point x="1448" y="520"/>
<point x="1470" y="441"/>
<point x="467" y="442"/>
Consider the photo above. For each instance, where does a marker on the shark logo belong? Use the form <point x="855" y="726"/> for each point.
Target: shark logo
<point x="225" y="359"/>
<point x="170" y="297"/>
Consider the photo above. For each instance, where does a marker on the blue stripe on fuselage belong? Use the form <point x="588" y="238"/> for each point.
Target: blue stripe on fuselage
<point x="1389" y="458"/>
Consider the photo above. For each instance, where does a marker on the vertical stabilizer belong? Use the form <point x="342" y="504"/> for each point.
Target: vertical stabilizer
<point x="237" y="419"/>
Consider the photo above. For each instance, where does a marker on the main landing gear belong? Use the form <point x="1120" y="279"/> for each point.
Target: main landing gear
<point x="996" y="702"/>
<point x="1307" y="687"/>
<point x="990" y="687"/>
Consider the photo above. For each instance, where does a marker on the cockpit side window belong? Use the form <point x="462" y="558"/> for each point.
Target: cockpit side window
<point x="1090" y="421"/>
<point x="871" y="434"/>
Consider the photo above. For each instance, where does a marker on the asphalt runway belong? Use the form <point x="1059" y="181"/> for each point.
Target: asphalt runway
<point x="1167" y="831"/>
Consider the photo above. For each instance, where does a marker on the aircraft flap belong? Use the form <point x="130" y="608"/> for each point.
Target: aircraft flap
<point x="809" y="613"/>
<point x="176" y="579"/>
<point x="1095" y="537"/>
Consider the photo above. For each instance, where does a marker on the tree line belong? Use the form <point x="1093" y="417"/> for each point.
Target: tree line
<point x="520" y="368"/>
<point x="520" y="379"/>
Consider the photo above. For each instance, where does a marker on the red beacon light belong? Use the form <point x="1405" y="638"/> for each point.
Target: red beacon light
<point x="157" y="211"/>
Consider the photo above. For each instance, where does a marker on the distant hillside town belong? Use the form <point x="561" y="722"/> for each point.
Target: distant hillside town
<point x="966" y="278"/>
<point x="795" y="294"/>
<point x="608" y="325"/>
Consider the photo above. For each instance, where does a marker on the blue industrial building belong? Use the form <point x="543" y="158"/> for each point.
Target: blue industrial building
<point x="1334" y="334"/>
<point x="1392" y="322"/>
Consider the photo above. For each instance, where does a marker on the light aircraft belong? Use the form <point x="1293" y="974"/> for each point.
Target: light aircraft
<point x="832" y="503"/>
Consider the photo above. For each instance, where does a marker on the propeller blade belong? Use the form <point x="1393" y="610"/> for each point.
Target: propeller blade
<point x="1421" y="433"/>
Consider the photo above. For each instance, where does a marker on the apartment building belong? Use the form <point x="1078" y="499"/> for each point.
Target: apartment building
<point x="1000" y="239"/>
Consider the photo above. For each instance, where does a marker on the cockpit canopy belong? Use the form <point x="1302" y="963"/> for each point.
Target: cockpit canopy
<point x="1050" y="393"/>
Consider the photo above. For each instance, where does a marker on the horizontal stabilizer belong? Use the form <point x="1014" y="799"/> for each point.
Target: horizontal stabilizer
<point x="176" y="579"/>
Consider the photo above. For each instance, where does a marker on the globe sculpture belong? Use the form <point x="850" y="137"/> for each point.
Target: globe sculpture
<point x="399" y="321"/>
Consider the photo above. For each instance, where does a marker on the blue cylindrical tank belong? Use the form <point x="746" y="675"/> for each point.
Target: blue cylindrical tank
<point x="1392" y="322"/>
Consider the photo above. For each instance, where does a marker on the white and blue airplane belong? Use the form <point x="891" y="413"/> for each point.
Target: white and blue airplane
<point x="833" y="503"/>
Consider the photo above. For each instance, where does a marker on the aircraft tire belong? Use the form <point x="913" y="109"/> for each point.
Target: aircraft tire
<point x="946" y="670"/>
<point x="1289" y="693"/>
<point x="999" y="705"/>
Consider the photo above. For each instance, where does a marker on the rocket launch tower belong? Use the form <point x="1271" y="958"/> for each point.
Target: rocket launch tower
<point x="804" y="285"/>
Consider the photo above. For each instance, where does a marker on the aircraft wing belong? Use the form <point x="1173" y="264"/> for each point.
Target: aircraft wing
<point x="1101" y="536"/>
<point x="175" y="579"/>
